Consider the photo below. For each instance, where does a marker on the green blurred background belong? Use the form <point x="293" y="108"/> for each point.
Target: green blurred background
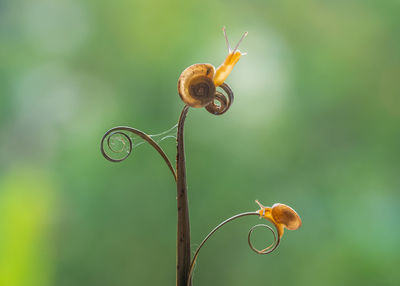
<point x="315" y="125"/>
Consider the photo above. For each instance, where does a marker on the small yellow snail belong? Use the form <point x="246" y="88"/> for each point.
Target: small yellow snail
<point x="282" y="216"/>
<point x="197" y="83"/>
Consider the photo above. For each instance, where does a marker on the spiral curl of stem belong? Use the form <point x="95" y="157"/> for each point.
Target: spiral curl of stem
<point x="120" y="130"/>
<point x="269" y="248"/>
<point x="225" y="102"/>
<point x="109" y="145"/>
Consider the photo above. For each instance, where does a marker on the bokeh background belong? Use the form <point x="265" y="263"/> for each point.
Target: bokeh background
<point x="315" y="125"/>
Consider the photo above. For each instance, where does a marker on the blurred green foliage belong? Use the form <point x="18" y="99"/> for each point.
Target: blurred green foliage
<point x="315" y="125"/>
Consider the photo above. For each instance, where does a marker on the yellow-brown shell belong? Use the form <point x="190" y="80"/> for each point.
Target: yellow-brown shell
<point x="196" y="86"/>
<point x="286" y="216"/>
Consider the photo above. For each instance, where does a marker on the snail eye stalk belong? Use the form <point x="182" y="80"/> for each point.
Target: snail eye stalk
<point x="226" y="40"/>
<point x="223" y="71"/>
<point x="241" y="39"/>
<point x="230" y="51"/>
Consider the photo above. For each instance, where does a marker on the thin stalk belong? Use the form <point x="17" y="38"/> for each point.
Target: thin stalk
<point x="183" y="236"/>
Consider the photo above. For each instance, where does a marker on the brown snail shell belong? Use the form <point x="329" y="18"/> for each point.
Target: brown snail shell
<point x="196" y="85"/>
<point x="286" y="216"/>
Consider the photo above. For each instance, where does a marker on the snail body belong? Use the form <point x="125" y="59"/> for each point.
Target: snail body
<point x="197" y="84"/>
<point x="226" y="68"/>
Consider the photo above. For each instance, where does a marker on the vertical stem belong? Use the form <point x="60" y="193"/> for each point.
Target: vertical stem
<point x="183" y="237"/>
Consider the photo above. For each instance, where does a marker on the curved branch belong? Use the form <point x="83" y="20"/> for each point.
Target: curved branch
<point x="266" y="250"/>
<point x="144" y="136"/>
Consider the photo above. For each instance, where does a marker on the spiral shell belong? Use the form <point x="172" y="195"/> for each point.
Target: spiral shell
<point x="196" y="86"/>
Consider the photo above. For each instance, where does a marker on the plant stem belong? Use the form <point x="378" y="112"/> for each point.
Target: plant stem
<point x="210" y="234"/>
<point x="183" y="236"/>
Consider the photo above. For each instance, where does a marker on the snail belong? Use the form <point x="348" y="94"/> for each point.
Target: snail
<point x="197" y="84"/>
<point x="282" y="216"/>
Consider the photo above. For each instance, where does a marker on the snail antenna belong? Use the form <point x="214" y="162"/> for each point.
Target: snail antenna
<point x="226" y="40"/>
<point x="259" y="204"/>
<point x="241" y="39"/>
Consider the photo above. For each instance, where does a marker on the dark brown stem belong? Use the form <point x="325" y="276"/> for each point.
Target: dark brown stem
<point x="183" y="237"/>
